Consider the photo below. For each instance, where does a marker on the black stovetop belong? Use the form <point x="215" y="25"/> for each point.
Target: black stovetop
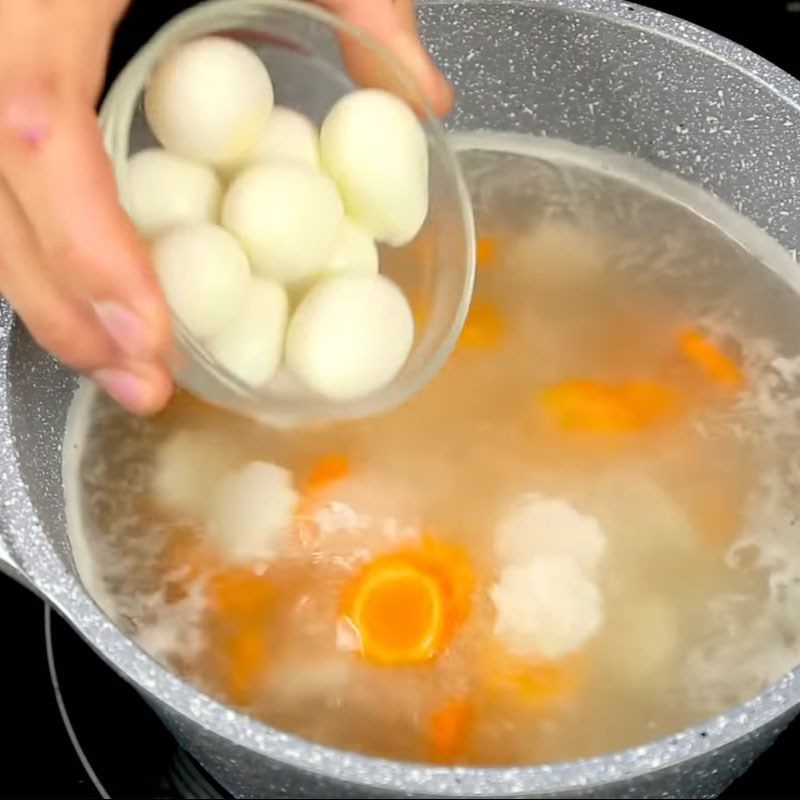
<point x="75" y="729"/>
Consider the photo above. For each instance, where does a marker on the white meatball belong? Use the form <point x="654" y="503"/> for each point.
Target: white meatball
<point x="209" y="100"/>
<point x="557" y="255"/>
<point x="187" y="465"/>
<point x="252" y="511"/>
<point x="355" y="252"/>
<point x="165" y="190"/>
<point x="204" y="274"/>
<point x="547" y="608"/>
<point x="288" y="136"/>
<point x="350" y="336"/>
<point x="537" y="525"/>
<point x="251" y="344"/>
<point x="287" y="217"/>
<point x="374" y="147"/>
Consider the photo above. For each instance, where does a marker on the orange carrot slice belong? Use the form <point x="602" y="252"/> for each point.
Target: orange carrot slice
<point x="650" y="402"/>
<point x="452" y="568"/>
<point x="486" y="252"/>
<point x="710" y="359"/>
<point x="594" y="406"/>
<point x="238" y="593"/>
<point x="449" y="728"/>
<point x="483" y="328"/>
<point x="406" y="605"/>
<point x="587" y="406"/>
<point x="327" y="470"/>
<point x="246" y="652"/>
<point x="398" y="612"/>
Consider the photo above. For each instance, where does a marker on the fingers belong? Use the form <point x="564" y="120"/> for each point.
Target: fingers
<point x="57" y="325"/>
<point x="80" y="277"/>
<point x="69" y="330"/>
<point x="65" y="188"/>
<point x="143" y="389"/>
<point x="409" y="49"/>
<point x="71" y="263"/>
<point x="73" y="266"/>
<point x="406" y="14"/>
<point x="392" y="24"/>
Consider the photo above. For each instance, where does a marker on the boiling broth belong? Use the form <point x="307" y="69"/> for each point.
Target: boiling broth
<point x="592" y="271"/>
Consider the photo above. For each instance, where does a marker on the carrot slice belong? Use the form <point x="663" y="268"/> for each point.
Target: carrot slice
<point x="650" y="402"/>
<point x="327" y="470"/>
<point x="449" y="728"/>
<point x="486" y="252"/>
<point x="452" y="568"/>
<point x="710" y="359"/>
<point x="406" y="605"/>
<point x="587" y="406"/>
<point x="246" y="652"/>
<point x="398" y="612"/>
<point x="483" y="328"/>
<point x="239" y="593"/>
<point x="594" y="406"/>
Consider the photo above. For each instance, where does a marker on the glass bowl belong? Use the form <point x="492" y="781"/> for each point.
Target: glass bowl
<point x="306" y="51"/>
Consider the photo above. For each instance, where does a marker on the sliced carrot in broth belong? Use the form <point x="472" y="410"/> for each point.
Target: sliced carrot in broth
<point x="483" y="329"/>
<point x="398" y="612"/>
<point x="449" y="728"/>
<point x="406" y="605"/>
<point x="246" y="657"/>
<point x="486" y="252"/>
<point x="595" y="406"/>
<point x="707" y="356"/>
<point x="452" y="567"/>
<point x="239" y="593"/>
<point x="587" y="406"/>
<point x="239" y="600"/>
<point x="327" y="470"/>
<point x="650" y="402"/>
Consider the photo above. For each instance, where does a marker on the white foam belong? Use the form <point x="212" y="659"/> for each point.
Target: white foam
<point x="167" y="628"/>
<point x="75" y="437"/>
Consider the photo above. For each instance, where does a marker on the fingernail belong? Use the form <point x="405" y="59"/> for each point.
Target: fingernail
<point x="125" y="388"/>
<point x="127" y="331"/>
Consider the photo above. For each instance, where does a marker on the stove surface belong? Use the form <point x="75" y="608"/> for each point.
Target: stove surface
<point x="77" y="730"/>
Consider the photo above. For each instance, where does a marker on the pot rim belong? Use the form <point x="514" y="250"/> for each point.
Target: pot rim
<point x="42" y="565"/>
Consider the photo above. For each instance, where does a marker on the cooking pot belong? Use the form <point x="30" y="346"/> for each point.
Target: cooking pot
<point x="601" y="73"/>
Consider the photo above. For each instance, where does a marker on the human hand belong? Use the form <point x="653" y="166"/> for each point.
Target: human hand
<point x="394" y="24"/>
<point x="72" y="264"/>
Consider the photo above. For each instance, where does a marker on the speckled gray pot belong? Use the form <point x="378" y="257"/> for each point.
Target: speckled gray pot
<point x="596" y="72"/>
